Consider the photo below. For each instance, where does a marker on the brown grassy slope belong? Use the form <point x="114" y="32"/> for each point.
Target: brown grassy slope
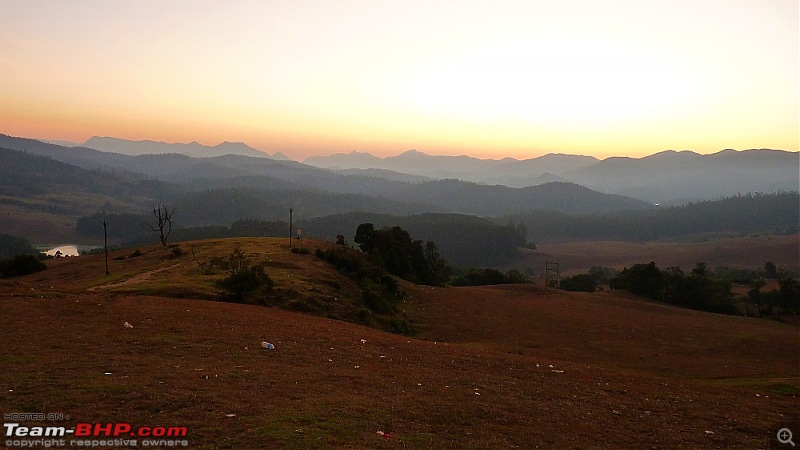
<point x="489" y="385"/>
<point x="742" y="252"/>
<point x="610" y="329"/>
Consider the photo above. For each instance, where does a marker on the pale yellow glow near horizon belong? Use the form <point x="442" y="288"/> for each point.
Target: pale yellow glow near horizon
<point x="488" y="79"/>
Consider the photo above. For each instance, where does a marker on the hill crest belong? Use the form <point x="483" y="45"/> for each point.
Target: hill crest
<point x="148" y="147"/>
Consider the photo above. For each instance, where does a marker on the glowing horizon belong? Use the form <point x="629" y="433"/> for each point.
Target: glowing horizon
<point x="487" y="79"/>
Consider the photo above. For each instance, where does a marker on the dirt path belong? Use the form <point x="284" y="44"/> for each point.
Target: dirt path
<point x="136" y="279"/>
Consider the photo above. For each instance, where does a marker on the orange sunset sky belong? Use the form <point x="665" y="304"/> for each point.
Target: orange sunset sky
<point x="485" y="78"/>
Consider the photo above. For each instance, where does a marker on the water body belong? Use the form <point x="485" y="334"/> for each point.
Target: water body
<point x="65" y="249"/>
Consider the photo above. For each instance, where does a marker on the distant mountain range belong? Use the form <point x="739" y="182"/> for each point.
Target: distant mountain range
<point x="668" y="177"/>
<point x="458" y="167"/>
<point x="45" y="188"/>
<point x="195" y="149"/>
<point x="217" y="190"/>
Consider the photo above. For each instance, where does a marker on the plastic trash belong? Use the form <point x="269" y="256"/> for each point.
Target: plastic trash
<point x="128" y="325"/>
<point x="267" y="345"/>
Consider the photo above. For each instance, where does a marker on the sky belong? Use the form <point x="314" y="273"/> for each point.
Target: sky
<point x="487" y="78"/>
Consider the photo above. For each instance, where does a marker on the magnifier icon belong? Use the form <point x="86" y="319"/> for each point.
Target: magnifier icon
<point x="785" y="436"/>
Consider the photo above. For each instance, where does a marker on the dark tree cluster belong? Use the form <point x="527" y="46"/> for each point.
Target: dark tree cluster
<point x="787" y="298"/>
<point x="14" y="245"/>
<point x="380" y="290"/>
<point x="393" y="249"/>
<point x="19" y="265"/>
<point x="777" y="212"/>
<point x="699" y="289"/>
<point x="579" y="283"/>
<point x="488" y="276"/>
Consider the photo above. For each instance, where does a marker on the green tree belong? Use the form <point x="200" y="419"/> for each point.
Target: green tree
<point x="435" y="270"/>
<point x="705" y="292"/>
<point x="759" y="299"/>
<point x="602" y="275"/>
<point x="19" y="265"/>
<point x="393" y="249"/>
<point x="580" y="283"/>
<point x="770" y="270"/>
<point x="790" y="294"/>
<point x="640" y="279"/>
<point x="14" y="245"/>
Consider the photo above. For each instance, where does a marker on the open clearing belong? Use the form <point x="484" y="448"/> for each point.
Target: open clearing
<point x="490" y="367"/>
<point x="749" y="252"/>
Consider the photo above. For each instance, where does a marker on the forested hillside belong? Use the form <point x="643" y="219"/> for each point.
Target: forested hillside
<point x="777" y="212"/>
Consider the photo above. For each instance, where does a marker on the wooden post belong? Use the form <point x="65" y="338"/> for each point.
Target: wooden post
<point x="105" y="242"/>
<point x="290" y="227"/>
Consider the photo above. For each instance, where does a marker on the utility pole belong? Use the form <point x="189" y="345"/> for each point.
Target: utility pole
<point x="290" y="227"/>
<point x="105" y="242"/>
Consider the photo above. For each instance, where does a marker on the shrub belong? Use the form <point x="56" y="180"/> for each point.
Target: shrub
<point x="699" y="290"/>
<point x="246" y="280"/>
<point x="401" y="326"/>
<point x="301" y="250"/>
<point x="380" y="290"/>
<point x="394" y="250"/>
<point x="376" y="302"/>
<point x="602" y="275"/>
<point x="579" y="283"/>
<point x="175" y="251"/>
<point x="21" y="265"/>
<point x="640" y="279"/>
<point x="483" y="277"/>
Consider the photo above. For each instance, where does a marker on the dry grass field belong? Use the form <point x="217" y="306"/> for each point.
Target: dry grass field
<point x="739" y="252"/>
<point x="489" y="367"/>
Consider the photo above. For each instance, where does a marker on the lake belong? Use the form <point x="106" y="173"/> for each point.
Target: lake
<point x="65" y="249"/>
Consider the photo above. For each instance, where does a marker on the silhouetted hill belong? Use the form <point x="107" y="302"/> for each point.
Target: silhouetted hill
<point x="445" y="195"/>
<point x="352" y="160"/>
<point x="677" y="177"/>
<point x="773" y="213"/>
<point x="127" y="147"/>
<point x="463" y="240"/>
<point x="236" y="187"/>
<point x="472" y="198"/>
<point x="25" y="173"/>
<point x="267" y="174"/>
<point x="534" y="171"/>
<point x="386" y="174"/>
<point x="225" y="206"/>
<point x="667" y="177"/>
<point x="42" y="183"/>
<point x="507" y="171"/>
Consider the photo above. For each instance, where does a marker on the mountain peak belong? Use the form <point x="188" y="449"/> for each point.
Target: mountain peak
<point x="412" y="152"/>
<point x="194" y="148"/>
<point x="674" y="155"/>
<point x="280" y="156"/>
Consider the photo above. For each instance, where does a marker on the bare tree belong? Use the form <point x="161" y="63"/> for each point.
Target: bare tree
<point x="163" y="225"/>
